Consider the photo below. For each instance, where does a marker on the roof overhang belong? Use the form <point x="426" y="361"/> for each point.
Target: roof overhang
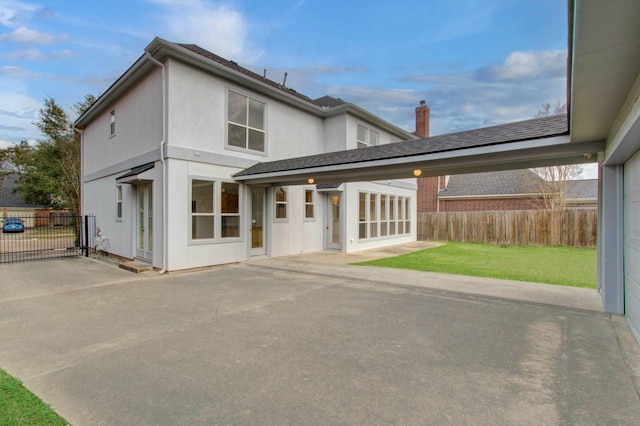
<point x="551" y="151"/>
<point x="138" y="174"/>
<point x="604" y="64"/>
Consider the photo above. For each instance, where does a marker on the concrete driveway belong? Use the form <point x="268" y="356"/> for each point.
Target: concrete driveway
<point x="308" y="340"/>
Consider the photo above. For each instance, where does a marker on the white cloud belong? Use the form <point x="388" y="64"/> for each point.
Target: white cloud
<point x="34" y="55"/>
<point x="26" y="35"/>
<point x="522" y="65"/>
<point x="216" y="27"/>
<point x="12" y="13"/>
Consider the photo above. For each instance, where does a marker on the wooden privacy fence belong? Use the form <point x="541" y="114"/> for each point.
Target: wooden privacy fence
<point x="568" y="227"/>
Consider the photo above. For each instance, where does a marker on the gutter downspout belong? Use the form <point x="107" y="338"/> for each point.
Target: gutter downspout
<point x="163" y="144"/>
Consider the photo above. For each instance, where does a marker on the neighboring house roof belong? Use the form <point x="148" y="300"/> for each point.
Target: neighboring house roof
<point x="7" y="197"/>
<point x="512" y="132"/>
<point x="585" y="189"/>
<point x="507" y="182"/>
<point x="512" y="182"/>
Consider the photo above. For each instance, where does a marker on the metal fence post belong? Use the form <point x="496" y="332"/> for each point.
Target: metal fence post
<point x="86" y="236"/>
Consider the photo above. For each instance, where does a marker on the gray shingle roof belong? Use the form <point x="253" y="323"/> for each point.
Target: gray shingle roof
<point x="329" y="102"/>
<point x="582" y="189"/>
<point x="507" y="182"/>
<point x="505" y="133"/>
<point x="7" y="197"/>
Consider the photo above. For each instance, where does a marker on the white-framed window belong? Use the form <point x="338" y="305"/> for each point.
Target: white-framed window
<point x="119" y="202"/>
<point x="229" y="210"/>
<point x="280" y="204"/>
<point x="366" y="137"/>
<point x="383" y="215"/>
<point x="202" y="209"/>
<point x="309" y="204"/>
<point x="215" y="210"/>
<point x="112" y="123"/>
<point x="245" y="122"/>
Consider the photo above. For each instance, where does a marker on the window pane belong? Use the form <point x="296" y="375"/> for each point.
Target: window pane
<point x="230" y="226"/>
<point x="308" y="212"/>
<point x="392" y="208"/>
<point x="383" y="229"/>
<point x="362" y="209"/>
<point x="201" y="227"/>
<point x="308" y="196"/>
<point x="201" y="196"/>
<point x="392" y="228"/>
<point x="407" y="227"/>
<point x="383" y="207"/>
<point x="281" y="194"/>
<point x="237" y="136"/>
<point x="362" y="133"/>
<point x="229" y="198"/>
<point x="373" y="230"/>
<point x="256" y="140"/>
<point x="119" y="210"/>
<point x="281" y="211"/>
<point x="362" y="230"/>
<point x="256" y="114"/>
<point x="373" y="207"/>
<point x="237" y="108"/>
<point x="373" y="138"/>
<point x="400" y="228"/>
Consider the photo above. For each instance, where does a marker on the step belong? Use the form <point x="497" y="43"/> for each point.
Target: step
<point x="136" y="267"/>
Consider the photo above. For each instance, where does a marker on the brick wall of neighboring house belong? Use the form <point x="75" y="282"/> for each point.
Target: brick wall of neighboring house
<point x="488" y="204"/>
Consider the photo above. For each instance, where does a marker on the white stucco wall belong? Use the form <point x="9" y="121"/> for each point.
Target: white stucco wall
<point x="138" y="127"/>
<point x="335" y="133"/>
<point x="100" y="200"/>
<point x="197" y="118"/>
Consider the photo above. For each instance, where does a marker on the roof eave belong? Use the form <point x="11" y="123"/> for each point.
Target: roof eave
<point x="370" y="118"/>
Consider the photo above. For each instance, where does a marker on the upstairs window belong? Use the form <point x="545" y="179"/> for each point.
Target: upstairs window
<point x="366" y="137"/>
<point x="112" y="123"/>
<point x="245" y="122"/>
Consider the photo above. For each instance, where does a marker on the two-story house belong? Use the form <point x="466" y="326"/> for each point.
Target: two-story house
<point x="161" y="146"/>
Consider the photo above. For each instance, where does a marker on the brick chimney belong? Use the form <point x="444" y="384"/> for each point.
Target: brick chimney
<point x="428" y="187"/>
<point x="422" y="120"/>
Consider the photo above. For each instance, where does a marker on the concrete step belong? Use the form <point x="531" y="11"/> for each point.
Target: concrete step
<point x="136" y="267"/>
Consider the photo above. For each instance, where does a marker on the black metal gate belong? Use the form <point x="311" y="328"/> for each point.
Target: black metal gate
<point x="45" y="236"/>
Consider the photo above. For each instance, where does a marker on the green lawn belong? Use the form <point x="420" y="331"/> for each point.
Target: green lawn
<point x="552" y="265"/>
<point x="18" y="406"/>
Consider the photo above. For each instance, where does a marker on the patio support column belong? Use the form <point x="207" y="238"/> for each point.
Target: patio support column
<point x="611" y="238"/>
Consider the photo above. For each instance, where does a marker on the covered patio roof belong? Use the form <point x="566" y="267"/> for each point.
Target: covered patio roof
<point x="531" y="143"/>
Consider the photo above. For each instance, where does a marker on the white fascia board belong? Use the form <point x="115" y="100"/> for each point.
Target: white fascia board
<point x="624" y="139"/>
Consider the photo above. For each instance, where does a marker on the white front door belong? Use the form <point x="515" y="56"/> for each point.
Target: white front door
<point x="258" y="234"/>
<point x="332" y="221"/>
<point x="144" y="221"/>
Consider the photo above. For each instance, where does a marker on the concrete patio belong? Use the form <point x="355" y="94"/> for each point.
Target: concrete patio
<point x="309" y="340"/>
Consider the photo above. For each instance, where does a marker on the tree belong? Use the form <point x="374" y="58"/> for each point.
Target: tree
<point x="49" y="173"/>
<point x="553" y="179"/>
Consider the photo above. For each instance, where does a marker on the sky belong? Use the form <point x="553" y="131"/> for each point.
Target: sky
<point x="476" y="62"/>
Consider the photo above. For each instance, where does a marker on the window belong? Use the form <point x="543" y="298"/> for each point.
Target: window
<point x="119" y="202"/>
<point x="281" y="203"/>
<point x="202" y="209"/>
<point x="112" y="123"/>
<point x="230" y="210"/>
<point x="366" y="137"/>
<point x="382" y="215"/>
<point x="309" y="205"/>
<point x="362" y="215"/>
<point x="245" y="122"/>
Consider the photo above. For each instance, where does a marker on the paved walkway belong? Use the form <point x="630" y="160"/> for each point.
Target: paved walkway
<point x="309" y="340"/>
